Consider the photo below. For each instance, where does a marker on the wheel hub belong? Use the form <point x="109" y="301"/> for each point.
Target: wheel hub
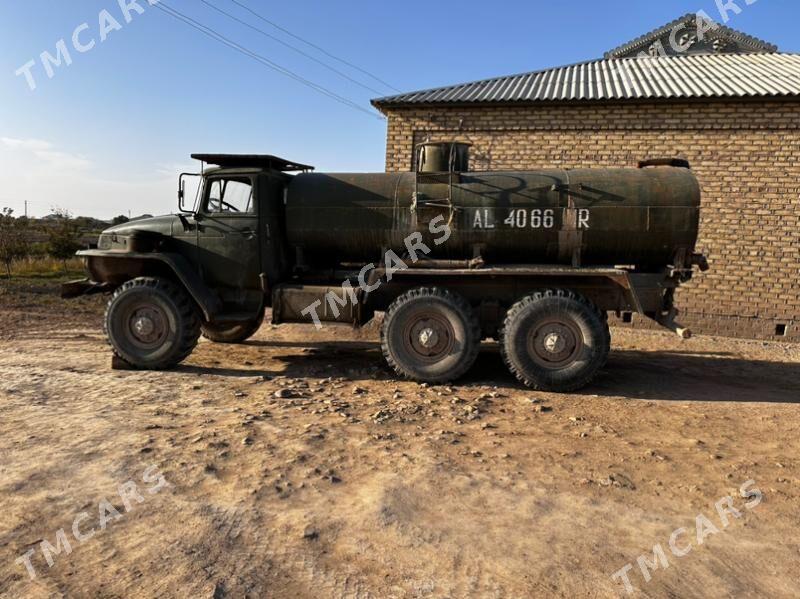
<point x="429" y="337"/>
<point x="555" y="344"/>
<point x="147" y="325"/>
<point x="143" y="326"/>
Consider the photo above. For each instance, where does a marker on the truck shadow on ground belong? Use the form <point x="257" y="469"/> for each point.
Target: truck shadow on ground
<point x="350" y="360"/>
<point x="678" y="376"/>
<point x="650" y="375"/>
<point x="671" y="376"/>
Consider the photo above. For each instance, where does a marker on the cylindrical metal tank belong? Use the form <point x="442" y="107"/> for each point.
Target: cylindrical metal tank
<point x="624" y="216"/>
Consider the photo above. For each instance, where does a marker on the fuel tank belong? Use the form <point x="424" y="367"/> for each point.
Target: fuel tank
<point x="639" y="217"/>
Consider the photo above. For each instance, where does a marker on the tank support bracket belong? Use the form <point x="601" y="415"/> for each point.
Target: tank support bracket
<point x="668" y="322"/>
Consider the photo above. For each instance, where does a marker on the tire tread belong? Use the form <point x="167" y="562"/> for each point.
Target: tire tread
<point x="522" y="304"/>
<point x="454" y="300"/>
<point x="187" y="312"/>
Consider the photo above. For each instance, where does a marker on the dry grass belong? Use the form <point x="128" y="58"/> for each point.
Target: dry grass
<point x="47" y="268"/>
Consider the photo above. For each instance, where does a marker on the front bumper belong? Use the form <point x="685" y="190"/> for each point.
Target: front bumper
<point x="82" y="287"/>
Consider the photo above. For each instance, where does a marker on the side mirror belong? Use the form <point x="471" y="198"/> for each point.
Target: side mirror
<point x="182" y="194"/>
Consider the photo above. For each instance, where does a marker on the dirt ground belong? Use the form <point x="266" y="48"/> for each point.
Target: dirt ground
<point x="296" y="465"/>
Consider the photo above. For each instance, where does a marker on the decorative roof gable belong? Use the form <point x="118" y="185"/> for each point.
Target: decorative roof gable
<point x="691" y="34"/>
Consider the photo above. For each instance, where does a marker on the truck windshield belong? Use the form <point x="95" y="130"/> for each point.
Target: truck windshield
<point x="230" y="195"/>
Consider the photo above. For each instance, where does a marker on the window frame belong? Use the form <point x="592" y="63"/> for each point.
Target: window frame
<point x="240" y="178"/>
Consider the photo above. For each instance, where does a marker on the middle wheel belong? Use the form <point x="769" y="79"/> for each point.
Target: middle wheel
<point x="430" y="335"/>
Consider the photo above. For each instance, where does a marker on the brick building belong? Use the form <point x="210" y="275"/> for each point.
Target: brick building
<point x="726" y="101"/>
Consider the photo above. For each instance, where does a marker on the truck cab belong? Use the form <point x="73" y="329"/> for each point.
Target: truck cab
<point x="222" y="248"/>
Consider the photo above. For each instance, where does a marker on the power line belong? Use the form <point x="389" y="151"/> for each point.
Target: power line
<point x="290" y="46"/>
<point x="213" y="34"/>
<point x="313" y="45"/>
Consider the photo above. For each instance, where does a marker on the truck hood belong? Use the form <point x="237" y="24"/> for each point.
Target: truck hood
<point x="163" y="225"/>
<point x="140" y="235"/>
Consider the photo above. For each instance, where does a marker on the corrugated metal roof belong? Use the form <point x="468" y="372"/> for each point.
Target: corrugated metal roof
<point x="663" y="77"/>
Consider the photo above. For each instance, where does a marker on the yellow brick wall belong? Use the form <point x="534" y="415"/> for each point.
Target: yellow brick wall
<point x="745" y="154"/>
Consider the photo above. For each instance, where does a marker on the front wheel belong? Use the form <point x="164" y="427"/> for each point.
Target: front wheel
<point x="430" y="335"/>
<point x="151" y="323"/>
<point x="555" y="340"/>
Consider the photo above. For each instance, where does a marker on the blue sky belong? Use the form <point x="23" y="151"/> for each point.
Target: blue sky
<point x="109" y="133"/>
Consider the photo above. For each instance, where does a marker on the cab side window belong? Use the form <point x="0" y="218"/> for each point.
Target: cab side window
<point x="230" y="196"/>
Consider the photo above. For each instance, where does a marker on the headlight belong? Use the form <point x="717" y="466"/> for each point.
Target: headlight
<point x="112" y="241"/>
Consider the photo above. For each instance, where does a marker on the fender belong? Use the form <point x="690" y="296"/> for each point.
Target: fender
<point x="112" y="268"/>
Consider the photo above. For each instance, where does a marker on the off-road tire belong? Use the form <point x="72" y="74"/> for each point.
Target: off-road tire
<point x="170" y="311"/>
<point x="457" y="337"/>
<point x="569" y="316"/>
<point x="232" y="333"/>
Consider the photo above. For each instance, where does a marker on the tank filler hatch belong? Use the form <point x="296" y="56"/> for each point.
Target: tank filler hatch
<point x="438" y="167"/>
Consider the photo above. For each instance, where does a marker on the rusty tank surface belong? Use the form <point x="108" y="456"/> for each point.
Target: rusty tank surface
<point x="532" y="259"/>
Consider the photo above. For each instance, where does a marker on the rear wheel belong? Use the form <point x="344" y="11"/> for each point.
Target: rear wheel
<point x="151" y="323"/>
<point x="232" y="333"/>
<point x="430" y="335"/>
<point x="555" y="340"/>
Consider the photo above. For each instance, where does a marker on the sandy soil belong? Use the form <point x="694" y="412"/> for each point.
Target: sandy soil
<point x="297" y="466"/>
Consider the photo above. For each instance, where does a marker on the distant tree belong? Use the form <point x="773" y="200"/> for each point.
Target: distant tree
<point x="88" y="223"/>
<point x="14" y="238"/>
<point x="63" y="236"/>
<point x="119" y="220"/>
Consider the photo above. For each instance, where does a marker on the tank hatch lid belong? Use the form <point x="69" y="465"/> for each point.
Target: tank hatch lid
<point x="253" y="161"/>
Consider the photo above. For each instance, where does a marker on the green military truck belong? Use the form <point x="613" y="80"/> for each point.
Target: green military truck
<point x="533" y="259"/>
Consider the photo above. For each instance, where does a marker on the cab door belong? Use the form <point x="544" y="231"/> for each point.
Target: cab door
<point x="229" y="257"/>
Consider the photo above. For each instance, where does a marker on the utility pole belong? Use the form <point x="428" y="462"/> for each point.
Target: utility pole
<point x="26" y="209"/>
